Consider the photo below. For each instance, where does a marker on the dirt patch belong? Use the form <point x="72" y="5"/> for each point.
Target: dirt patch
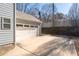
<point x="6" y="48"/>
<point x="77" y="46"/>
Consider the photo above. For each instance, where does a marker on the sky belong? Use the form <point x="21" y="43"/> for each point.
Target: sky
<point x="63" y="7"/>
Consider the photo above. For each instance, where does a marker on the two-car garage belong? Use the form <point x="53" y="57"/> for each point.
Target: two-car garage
<point x="26" y="26"/>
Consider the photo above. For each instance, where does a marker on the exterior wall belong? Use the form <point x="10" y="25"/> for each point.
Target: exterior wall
<point x="39" y="30"/>
<point x="6" y="10"/>
<point x="0" y="23"/>
<point x="25" y="21"/>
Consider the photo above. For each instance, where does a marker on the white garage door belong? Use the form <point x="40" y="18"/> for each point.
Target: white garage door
<point x="24" y="34"/>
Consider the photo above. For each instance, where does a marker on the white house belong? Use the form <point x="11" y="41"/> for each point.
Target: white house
<point x="27" y="26"/>
<point x="7" y="23"/>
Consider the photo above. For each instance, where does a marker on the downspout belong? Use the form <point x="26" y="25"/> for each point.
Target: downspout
<point x="14" y="23"/>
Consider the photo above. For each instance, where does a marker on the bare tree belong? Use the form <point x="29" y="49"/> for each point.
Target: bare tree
<point x="46" y="13"/>
<point x="22" y="6"/>
<point x="74" y="13"/>
<point x="49" y="10"/>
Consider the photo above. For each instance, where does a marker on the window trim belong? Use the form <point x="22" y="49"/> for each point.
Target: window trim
<point x="2" y="22"/>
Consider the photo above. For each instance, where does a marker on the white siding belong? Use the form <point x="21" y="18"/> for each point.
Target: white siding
<point x="0" y="23"/>
<point x="6" y="10"/>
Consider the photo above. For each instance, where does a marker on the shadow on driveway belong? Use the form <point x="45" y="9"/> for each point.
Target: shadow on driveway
<point x="56" y="47"/>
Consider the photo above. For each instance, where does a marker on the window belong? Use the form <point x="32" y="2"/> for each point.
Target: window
<point x="6" y="23"/>
<point x="26" y="25"/>
<point x="31" y="26"/>
<point x="36" y="26"/>
<point x="19" y="25"/>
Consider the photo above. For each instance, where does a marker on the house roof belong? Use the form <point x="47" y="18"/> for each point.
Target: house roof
<point x="27" y="17"/>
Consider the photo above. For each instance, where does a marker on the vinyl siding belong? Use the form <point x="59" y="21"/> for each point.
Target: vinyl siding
<point x="0" y="23"/>
<point x="6" y="10"/>
<point x="26" y="22"/>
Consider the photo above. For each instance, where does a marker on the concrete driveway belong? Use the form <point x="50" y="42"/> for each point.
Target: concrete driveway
<point x="45" y="45"/>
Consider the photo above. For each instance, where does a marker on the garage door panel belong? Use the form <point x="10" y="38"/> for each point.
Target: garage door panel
<point x="24" y="34"/>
